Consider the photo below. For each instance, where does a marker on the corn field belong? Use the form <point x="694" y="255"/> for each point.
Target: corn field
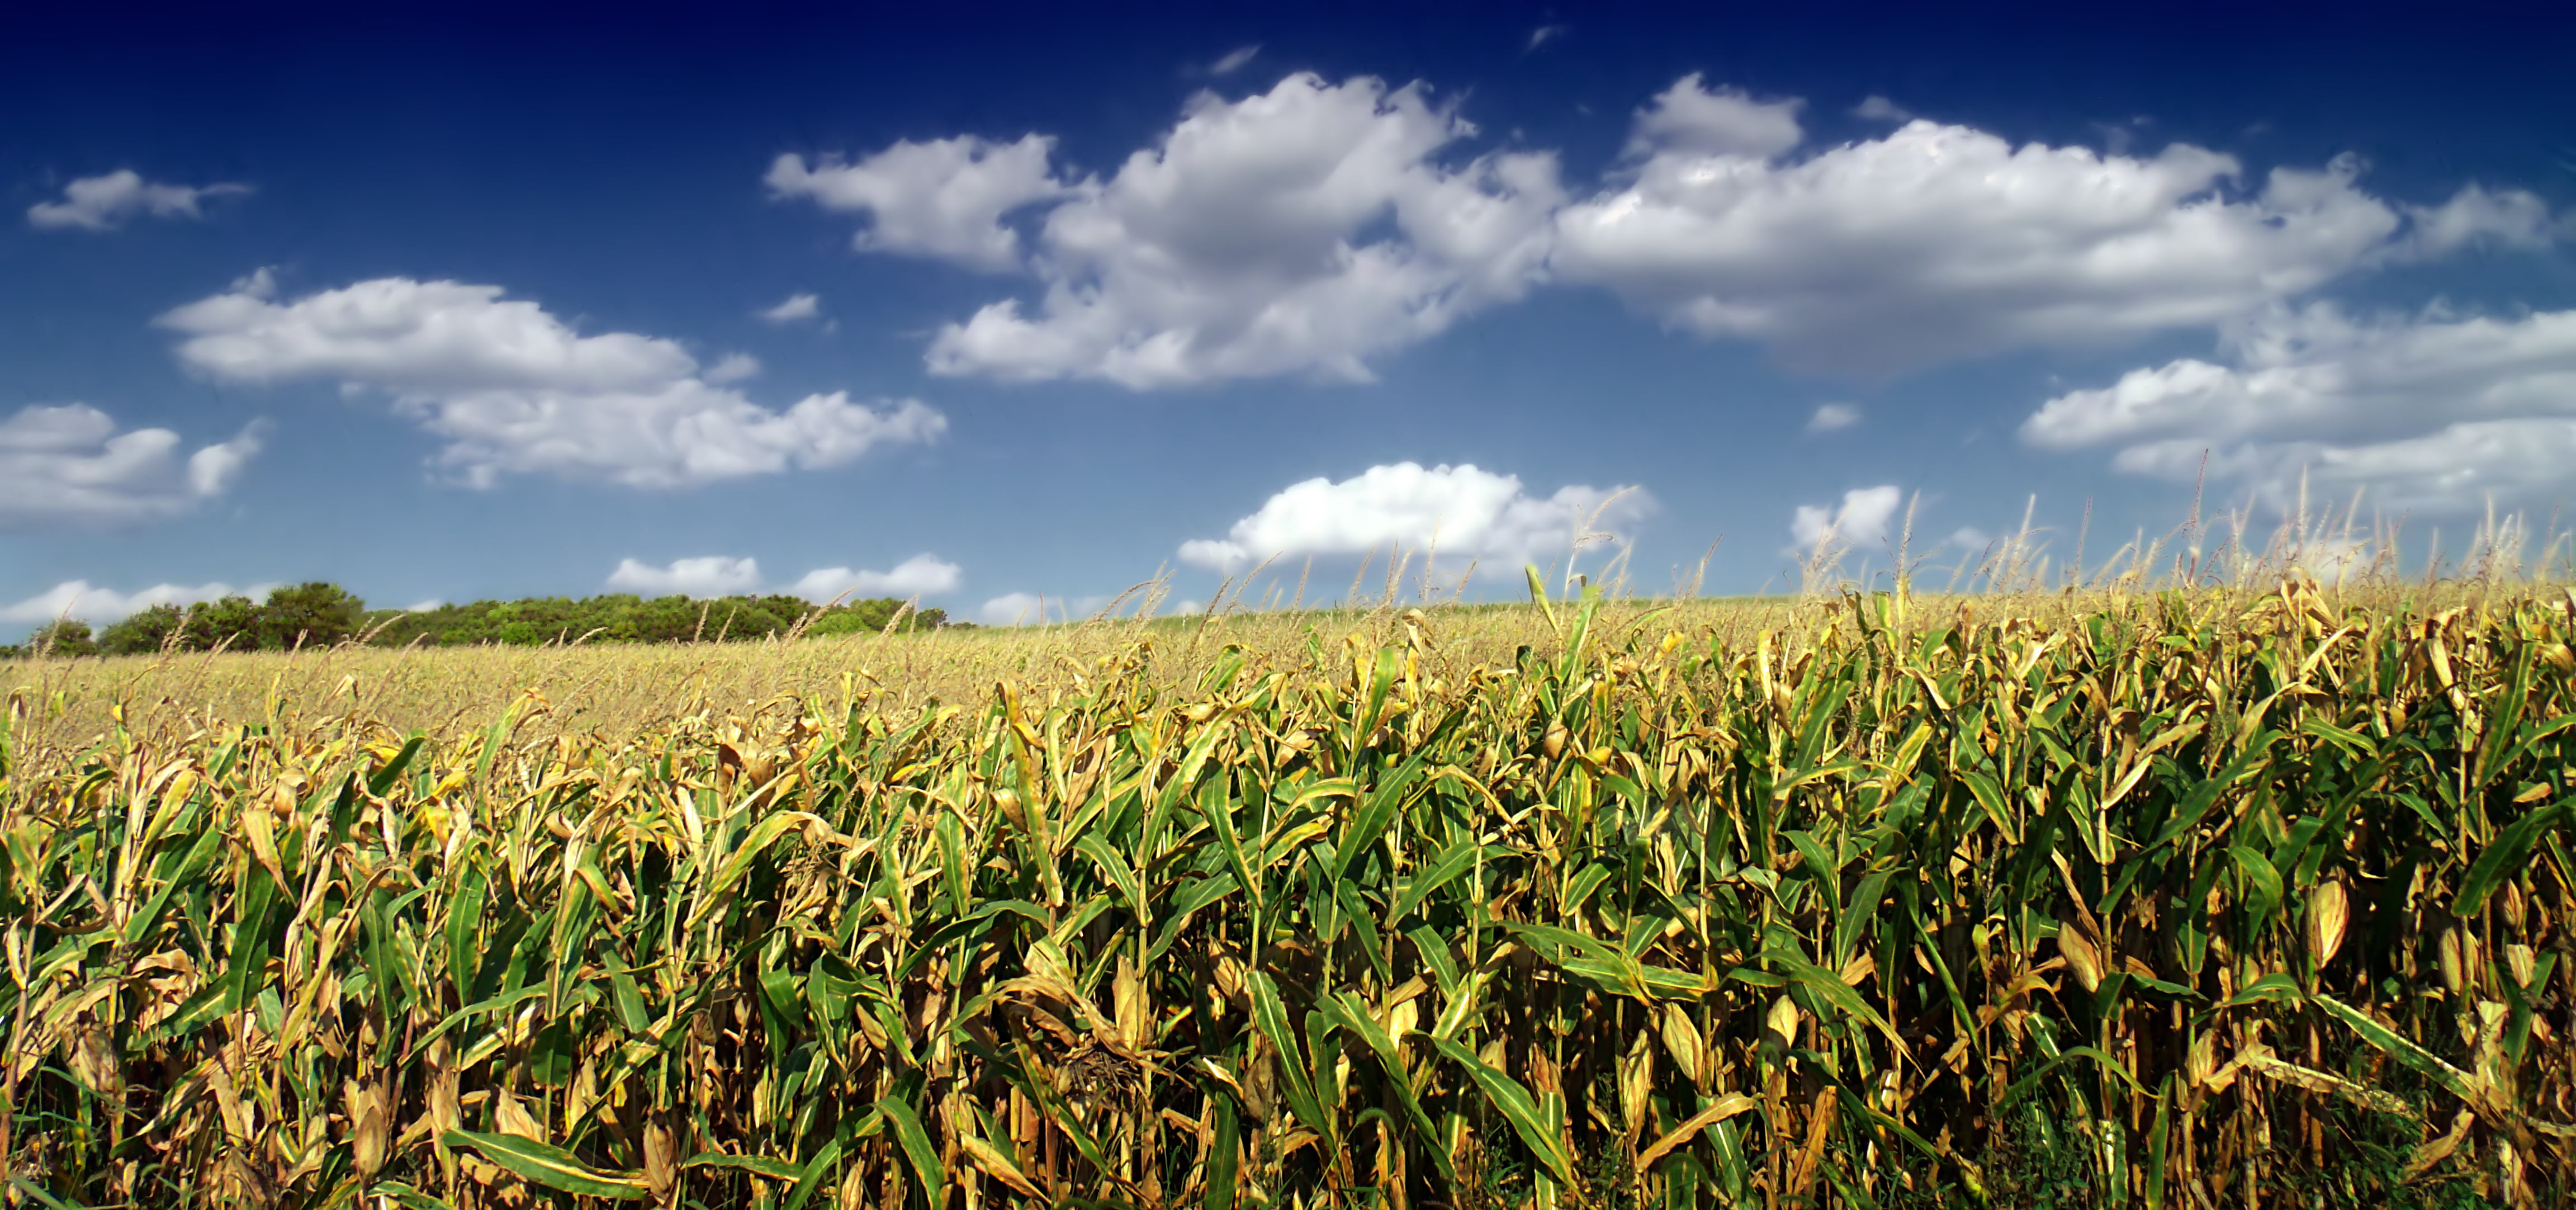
<point x="2197" y="899"/>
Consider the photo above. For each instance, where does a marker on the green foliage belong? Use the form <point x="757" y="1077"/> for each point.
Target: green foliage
<point x="232" y="623"/>
<point x="870" y="617"/>
<point x="627" y="618"/>
<point x="65" y="637"/>
<point x="143" y="633"/>
<point x="309" y="615"/>
<point x="320" y="614"/>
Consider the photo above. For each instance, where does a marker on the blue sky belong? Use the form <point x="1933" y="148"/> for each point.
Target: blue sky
<point x="996" y="303"/>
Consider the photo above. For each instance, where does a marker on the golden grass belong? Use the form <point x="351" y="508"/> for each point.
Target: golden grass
<point x="618" y="691"/>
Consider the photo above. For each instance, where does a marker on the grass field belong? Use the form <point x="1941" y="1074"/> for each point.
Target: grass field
<point x="2192" y="898"/>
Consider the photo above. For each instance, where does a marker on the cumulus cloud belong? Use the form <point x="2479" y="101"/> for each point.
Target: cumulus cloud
<point x="98" y="606"/>
<point x="919" y="576"/>
<point x="1864" y="519"/>
<point x="1876" y="108"/>
<point x="712" y="576"/>
<point x="1833" y="416"/>
<point x="69" y="466"/>
<point x="2434" y="412"/>
<point x="105" y="203"/>
<point x="1689" y="119"/>
<point x="724" y="576"/>
<point x="1010" y="609"/>
<point x="1940" y="241"/>
<point x="1300" y="231"/>
<point x="2477" y="217"/>
<point x="945" y="198"/>
<point x="514" y="390"/>
<point x="1467" y="512"/>
<point x="799" y="308"/>
<point x="1318" y="227"/>
<point x="1037" y="609"/>
<point x="732" y="367"/>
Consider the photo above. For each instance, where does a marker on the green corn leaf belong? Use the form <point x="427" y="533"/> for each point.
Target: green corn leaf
<point x="20" y="1186"/>
<point x="383" y="779"/>
<point x="1990" y="797"/>
<point x="1270" y="1014"/>
<point x="917" y="1147"/>
<point x="1445" y="868"/>
<point x="810" y="1181"/>
<point x="550" y="1166"/>
<point x="1223" y="1155"/>
<point x="1350" y="1013"/>
<point x="2262" y="882"/>
<point x="2509" y="852"/>
<point x="407" y="1197"/>
<point x="719" y="889"/>
<point x="1217" y="807"/>
<point x="1376" y="811"/>
<point x="2253" y="760"/>
<point x="2396" y="1046"/>
<point x="1434" y="952"/>
<point x="2272" y="988"/>
<point x="757" y="1165"/>
<point x="1117" y="872"/>
<point x="1538" y="596"/>
<point x="1511" y="1099"/>
<point x="464" y="915"/>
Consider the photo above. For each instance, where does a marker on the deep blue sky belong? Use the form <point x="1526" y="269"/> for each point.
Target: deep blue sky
<point x="609" y="167"/>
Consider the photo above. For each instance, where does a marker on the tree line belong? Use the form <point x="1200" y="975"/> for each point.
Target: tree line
<point x="321" y="614"/>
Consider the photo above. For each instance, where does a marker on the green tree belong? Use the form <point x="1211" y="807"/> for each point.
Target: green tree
<point x="231" y="623"/>
<point x="143" y="633"/>
<point x="871" y="616"/>
<point x="315" y="614"/>
<point x="64" y="637"/>
<point x="628" y="618"/>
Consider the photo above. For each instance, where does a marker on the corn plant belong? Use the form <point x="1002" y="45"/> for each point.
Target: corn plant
<point x="2192" y="899"/>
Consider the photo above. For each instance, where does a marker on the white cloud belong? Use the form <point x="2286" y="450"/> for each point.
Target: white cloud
<point x="104" y="203"/>
<point x="722" y="576"/>
<point x="1971" y="539"/>
<point x="1876" y="108"/>
<point x="2476" y="217"/>
<point x="712" y="576"/>
<point x="1317" y="227"/>
<point x="1035" y="609"/>
<point x="2433" y="412"/>
<point x="1234" y="60"/>
<point x="919" y="576"/>
<point x="1863" y="520"/>
<point x="1832" y="416"/>
<point x="1469" y="513"/>
<point x="799" y="308"/>
<point x="945" y="198"/>
<point x="99" y="606"/>
<point x="732" y="367"/>
<point x="1939" y="241"/>
<point x="1010" y="609"/>
<point x="514" y="390"/>
<point x="69" y="466"/>
<point x="1542" y="36"/>
<point x="1302" y="230"/>
<point x="1691" y="120"/>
